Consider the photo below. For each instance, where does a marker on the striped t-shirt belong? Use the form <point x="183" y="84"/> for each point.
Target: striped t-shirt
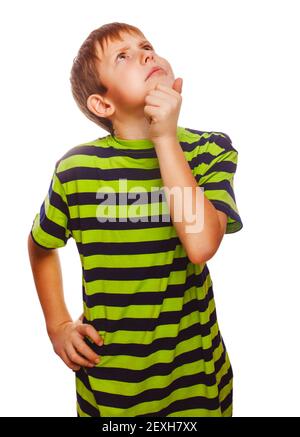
<point x="163" y="353"/>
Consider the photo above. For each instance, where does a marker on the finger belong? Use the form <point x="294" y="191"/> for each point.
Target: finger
<point x="163" y="96"/>
<point x="88" y="330"/>
<point x="151" y="113"/>
<point x="165" y="105"/>
<point x="159" y="93"/>
<point x="85" y="350"/>
<point x="166" y="89"/>
<point x="154" y="101"/>
<point x="74" y="356"/>
<point x="151" y="110"/>
<point x="68" y="362"/>
<point x="177" y="85"/>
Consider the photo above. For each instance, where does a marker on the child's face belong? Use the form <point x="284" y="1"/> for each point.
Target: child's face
<point x="124" y="68"/>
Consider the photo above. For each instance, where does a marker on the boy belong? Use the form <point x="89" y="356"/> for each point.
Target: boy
<point x="148" y="342"/>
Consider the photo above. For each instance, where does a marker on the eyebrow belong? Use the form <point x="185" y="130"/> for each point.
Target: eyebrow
<point x="141" y="43"/>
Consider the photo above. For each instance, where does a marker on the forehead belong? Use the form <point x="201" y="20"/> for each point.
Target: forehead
<point x="108" y="46"/>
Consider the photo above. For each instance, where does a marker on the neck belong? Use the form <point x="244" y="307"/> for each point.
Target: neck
<point x="131" y="128"/>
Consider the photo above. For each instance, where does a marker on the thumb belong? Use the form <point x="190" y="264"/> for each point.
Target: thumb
<point x="88" y="330"/>
<point x="177" y="85"/>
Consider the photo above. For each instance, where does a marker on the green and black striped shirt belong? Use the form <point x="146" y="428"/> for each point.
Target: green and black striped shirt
<point x="163" y="353"/>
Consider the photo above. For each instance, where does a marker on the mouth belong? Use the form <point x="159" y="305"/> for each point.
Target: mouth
<point x="154" y="70"/>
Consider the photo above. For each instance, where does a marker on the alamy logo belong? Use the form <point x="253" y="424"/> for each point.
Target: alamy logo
<point x="133" y="205"/>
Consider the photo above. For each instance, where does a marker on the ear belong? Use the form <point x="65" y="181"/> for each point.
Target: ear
<point x="100" y="106"/>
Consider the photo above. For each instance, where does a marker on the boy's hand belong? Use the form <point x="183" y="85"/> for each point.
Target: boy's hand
<point x="68" y="342"/>
<point x="162" y="110"/>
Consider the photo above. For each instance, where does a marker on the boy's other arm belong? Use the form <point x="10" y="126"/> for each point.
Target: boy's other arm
<point x="65" y="334"/>
<point x="46" y="270"/>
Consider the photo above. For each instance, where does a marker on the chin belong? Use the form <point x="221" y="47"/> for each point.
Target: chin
<point x="164" y="80"/>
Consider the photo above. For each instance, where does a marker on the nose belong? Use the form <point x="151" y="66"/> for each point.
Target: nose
<point x="146" y="57"/>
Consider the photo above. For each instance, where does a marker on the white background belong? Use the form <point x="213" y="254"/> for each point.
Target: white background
<point x="239" y="61"/>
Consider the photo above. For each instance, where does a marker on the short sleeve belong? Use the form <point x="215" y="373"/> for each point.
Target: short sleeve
<point x="216" y="164"/>
<point x="50" y="227"/>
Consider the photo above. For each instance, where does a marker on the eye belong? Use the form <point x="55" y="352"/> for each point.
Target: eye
<point x="122" y="53"/>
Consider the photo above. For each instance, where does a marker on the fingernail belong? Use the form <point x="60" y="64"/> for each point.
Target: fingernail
<point x="97" y="360"/>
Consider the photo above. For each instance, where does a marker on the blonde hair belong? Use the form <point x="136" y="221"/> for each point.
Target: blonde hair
<point x="85" y="79"/>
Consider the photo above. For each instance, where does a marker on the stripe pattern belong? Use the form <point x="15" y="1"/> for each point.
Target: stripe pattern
<point x="163" y="353"/>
